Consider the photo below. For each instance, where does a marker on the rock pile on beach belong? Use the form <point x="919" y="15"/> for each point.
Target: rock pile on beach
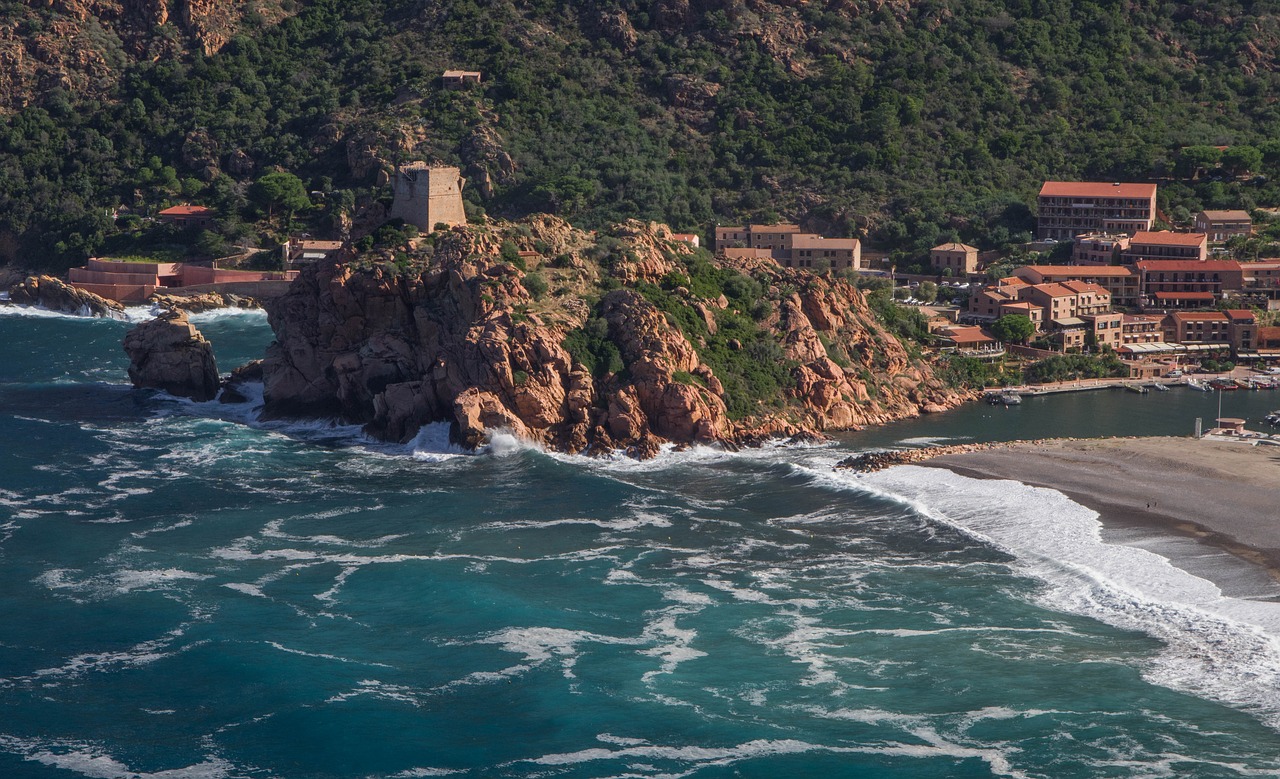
<point x="870" y="462"/>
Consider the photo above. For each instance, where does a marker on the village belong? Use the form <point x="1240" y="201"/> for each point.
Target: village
<point x="1161" y="300"/>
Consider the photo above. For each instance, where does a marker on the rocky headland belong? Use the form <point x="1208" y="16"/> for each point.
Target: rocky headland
<point x="585" y="342"/>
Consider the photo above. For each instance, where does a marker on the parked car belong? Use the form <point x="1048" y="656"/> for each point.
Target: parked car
<point x="1175" y="373"/>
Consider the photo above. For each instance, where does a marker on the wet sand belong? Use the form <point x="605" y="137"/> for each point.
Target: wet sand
<point x="1220" y="493"/>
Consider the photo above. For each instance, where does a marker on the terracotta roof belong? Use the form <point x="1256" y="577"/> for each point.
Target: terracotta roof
<point x="811" y="240"/>
<point x="1227" y="216"/>
<point x="1269" y="333"/>
<point x="1207" y="266"/>
<point x="1184" y="296"/>
<point x="1054" y="290"/>
<point x="966" y="334"/>
<point x="683" y="236"/>
<point x="997" y="293"/>
<point x="1239" y="313"/>
<point x="1011" y="281"/>
<point x="1077" y="271"/>
<point x="187" y="211"/>
<point x="774" y="228"/>
<point x="1096" y="189"/>
<point x="1084" y="286"/>
<point x="1200" y="316"/>
<point x="1020" y="304"/>
<point x="1166" y="238"/>
<point x="954" y="247"/>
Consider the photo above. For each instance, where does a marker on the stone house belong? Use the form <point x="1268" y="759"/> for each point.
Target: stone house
<point x="961" y="259"/>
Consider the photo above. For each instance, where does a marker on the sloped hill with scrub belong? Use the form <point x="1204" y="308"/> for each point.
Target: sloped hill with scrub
<point x="907" y="122"/>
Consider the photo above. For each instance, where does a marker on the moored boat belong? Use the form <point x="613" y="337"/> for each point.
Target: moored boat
<point x="1198" y="385"/>
<point x="1158" y="387"/>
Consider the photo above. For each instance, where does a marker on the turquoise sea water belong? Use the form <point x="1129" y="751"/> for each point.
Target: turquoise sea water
<point x="183" y="594"/>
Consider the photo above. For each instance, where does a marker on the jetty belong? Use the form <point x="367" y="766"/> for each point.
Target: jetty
<point x="1088" y="385"/>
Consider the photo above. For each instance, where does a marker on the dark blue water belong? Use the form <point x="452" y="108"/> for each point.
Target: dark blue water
<point x="186" y="595"/>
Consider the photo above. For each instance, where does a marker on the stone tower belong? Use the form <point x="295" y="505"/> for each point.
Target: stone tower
<point x="425" y="196"/>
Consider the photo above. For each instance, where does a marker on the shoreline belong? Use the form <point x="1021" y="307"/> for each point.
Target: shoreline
<point x="1225" y="496"/>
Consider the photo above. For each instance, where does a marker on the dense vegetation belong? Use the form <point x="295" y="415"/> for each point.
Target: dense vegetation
<point x="1068" y="367"/>
<point x="910" y="124"/>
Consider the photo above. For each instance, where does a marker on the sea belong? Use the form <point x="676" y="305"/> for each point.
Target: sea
<point x="188" y="593"/>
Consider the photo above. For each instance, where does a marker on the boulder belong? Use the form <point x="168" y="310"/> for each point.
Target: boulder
<point x="168" y="353"/>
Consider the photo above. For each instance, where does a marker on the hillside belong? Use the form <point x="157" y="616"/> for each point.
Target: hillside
<point x="906" y="122"/>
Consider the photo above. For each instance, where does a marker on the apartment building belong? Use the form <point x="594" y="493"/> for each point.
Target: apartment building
<point x="1070" y="208"/>
<point x="790" y="247"/>
<point x="1120" y="282"/>
<point x="1262" y="278"/>
<point x="1098" y="248"/>
<point x="1222" y="226"/>
<point x="1188" y="283"/>
<point x="1141" y="329"/>
<point x="1165" y="245"/>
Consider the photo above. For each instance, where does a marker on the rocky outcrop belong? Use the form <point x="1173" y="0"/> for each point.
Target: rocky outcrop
<point x="57" y="295"/>
<point x="870" y="462"/>
<point x="206" y="301"/>
<point x="458" y="338"/>
<point x="168" y="353"/>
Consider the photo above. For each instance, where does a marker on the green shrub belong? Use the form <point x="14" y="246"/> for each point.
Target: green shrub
<point x="684" y="377"/>
<point x="536" y="284"/>
<point x="590" y="346"/>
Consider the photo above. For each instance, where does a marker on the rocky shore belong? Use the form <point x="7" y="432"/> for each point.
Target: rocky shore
<point x="56" y="295"/>
<point x="870" y="462"/>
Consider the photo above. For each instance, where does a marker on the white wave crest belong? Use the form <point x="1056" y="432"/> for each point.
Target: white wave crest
<point x="1222" y="648"/>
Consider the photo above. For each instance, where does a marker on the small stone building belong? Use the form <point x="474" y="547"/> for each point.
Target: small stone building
<point x="960" y="258"/>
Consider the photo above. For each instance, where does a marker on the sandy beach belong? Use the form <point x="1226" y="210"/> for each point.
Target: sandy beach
<point x="1224" y="494"/>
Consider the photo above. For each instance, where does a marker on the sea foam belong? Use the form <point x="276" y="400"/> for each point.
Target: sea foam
<point x="1218" y="647"/>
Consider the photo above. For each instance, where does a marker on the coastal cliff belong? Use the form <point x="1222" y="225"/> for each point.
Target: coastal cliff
<point x="585" y="342"/>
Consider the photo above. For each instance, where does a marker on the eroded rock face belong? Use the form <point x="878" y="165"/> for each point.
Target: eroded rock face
<point x="57" y="295"/>
<point x="168" y="353"/>
<point x="458" y="339"/>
